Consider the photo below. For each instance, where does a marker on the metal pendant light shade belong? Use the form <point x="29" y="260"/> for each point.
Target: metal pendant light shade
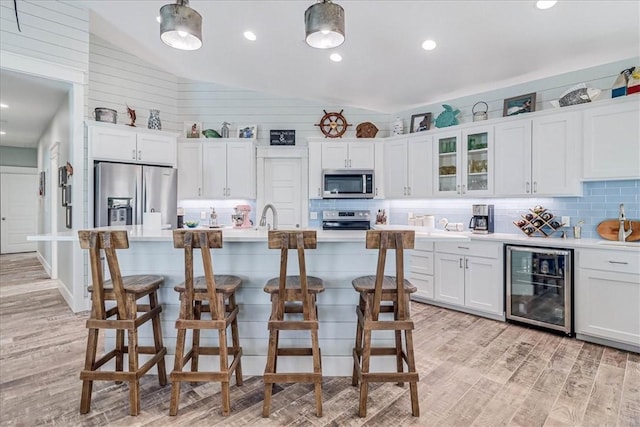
<point x="324" y="25"/>
<point x="180" y="26"/>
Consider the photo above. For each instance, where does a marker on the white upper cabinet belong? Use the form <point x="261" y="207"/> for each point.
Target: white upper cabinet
<point x="538" y="156"/>
<point x="130" y="145"/>
<point x="463" y="162"/>
<point x="348" y="155"/>
<point x="612" y="140"/>
<point x="216" y="170"/>
<point x="407" y="171"/>
<point x="315" y="170"/>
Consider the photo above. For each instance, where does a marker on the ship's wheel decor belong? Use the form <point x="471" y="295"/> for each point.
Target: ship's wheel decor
<point x="333" y="125"/>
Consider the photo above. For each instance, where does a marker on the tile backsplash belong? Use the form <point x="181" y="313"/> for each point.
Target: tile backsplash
<point x="600" y="201"/>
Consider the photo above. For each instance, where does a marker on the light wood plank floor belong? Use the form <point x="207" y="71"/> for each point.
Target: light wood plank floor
<point x="474" y="372"/>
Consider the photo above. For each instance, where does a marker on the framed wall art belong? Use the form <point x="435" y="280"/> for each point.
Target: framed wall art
<point x="248" y="131"/>
<point x="192" y="129"/>
<point x="282" y="137"/>
<point x="519" y="105"/>
<point x="420" y="122"/>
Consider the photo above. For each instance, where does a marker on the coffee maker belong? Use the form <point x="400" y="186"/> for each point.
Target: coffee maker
<point x="240" y="216"/>
<point x="482" y="219"/>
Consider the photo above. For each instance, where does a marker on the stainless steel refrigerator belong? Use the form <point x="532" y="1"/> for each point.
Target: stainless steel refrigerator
<point x="123" y="192"/>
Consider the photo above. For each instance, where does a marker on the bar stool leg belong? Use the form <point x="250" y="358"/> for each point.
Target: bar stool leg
<point x="195" y="339"/>
<point x="157" y="339"/>
<point x="358" y="345"/>
<point x="134" y="385"/>
<point x="398" y="334"/>
<point x="235" y="339"/>
<point x="119" y="351"/>
<point x="90" y="359"/>
<point x="317" y="369"/>
<point x="413" y="386"/>
<point x="364" y="385"/>
<point x="272" y="351"/>
<point x="177" y="368"/>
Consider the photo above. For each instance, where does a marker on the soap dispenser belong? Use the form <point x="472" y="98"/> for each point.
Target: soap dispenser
<point x="213" y="218"/>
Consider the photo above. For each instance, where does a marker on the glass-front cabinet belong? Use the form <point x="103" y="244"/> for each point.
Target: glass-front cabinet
<point x="464" y="162"/>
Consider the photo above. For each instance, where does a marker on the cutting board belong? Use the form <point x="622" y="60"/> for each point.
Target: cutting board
<point x="608" y="229"/>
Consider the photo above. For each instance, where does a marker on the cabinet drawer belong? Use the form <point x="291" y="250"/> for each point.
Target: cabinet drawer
<point x="480" y="249"/>
<point x="608" y="260"/>
<point x="422" y="262"/>
<point x="424" y="283"/>
<point x="421" y="245"/>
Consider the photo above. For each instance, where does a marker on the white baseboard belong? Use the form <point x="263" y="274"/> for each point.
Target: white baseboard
<point x="44" y="263"/>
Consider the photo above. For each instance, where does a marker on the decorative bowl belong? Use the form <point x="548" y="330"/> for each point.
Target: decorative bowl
<point x="191" y="224"/>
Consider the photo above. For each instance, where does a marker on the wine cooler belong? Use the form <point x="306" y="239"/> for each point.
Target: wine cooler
<point x="540" y="287"/>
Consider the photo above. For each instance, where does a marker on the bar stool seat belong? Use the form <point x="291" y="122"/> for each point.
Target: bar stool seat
<point x="293" y="295"/>
<point x="214" y="294"/>
<point x="125" y="291"/>
<point x="385" y="294"/>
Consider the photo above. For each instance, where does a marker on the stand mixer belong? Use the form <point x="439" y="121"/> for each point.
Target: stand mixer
<point x="240" y="217"/>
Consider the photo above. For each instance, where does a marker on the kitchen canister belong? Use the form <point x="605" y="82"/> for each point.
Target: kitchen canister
<point x="481" y="114"/>
<point x="105" y="115"/>
<point x="154" y="120"/>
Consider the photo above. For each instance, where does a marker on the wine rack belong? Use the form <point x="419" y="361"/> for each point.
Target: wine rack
<point x="538" y="222"/>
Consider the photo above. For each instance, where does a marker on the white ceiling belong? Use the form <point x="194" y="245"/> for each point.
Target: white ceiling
<point x="33" y="102"/>
<point x="482" y="45"/>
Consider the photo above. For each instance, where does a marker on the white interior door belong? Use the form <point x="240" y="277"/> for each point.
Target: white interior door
<point x="284" y="190"/>
<point x="19" y="210"/>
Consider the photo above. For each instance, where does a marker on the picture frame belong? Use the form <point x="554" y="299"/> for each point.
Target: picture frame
<point x="42" y="185"/>
<point x="282" y="137"/>
<point x="519" y="105"/>
<point x="68" y="220"/>
<point x="192" y="129"/>
<point x="247" y="131"/>
<point x="420" y="122"/>
<point x="62" y="176"/>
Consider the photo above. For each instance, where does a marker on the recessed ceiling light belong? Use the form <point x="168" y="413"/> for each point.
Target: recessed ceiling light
<point x="429" y="45"/>
<point x="2" y="132"/>
<point x="158" y="19"/>
<point x="545" y="4"/>
<point x="335" y="57"/>
<point x="249" y="36"/>
<point x="4" y="106"/>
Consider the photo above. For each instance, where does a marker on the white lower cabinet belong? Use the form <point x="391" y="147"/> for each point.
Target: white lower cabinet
<point x="607" y="296"/>
<point x="470" y="275"/>
<point x="421" y="270"/>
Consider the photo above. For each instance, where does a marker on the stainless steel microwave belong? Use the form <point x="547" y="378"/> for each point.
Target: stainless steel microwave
<point x="347" y="184"/>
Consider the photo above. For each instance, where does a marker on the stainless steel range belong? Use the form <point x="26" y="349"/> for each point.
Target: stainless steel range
<point x="345" y="220"/>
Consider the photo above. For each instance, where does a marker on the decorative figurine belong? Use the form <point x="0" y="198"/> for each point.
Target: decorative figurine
<point x="225" y="130"/>
<point x="333" y="125"/>
<point x="398" y="128"/>
<point x="366" y="130"/>
<point x="447" y="117"/>
<point x="154" y="120"/>
<point x="132" y="116"/>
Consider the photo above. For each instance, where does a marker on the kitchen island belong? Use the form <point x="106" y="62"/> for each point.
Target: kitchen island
<point x="340" y="257"/>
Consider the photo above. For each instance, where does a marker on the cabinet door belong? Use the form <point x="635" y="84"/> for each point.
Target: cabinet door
<point x="241" y="175"/>
<point x="419" y="167"/>
<point x="477" y="162"/>
<point x="335" y="155"/>
<point x="611" y="135"/>
<point x="156" y="149"/>
<point x="449" y="277"/>
<point x="315" y="170"/>
<point x="512" y="154"/>
<point x="556" y="154"/>
<point x="395" y="169"/>
<point x="446" y="164"/>
<point x="214" y="170"/>
<point x="361" y="155"/>
<point x="607" y="305"/>
<point x="189" y="170"/>
<point x="484" y="289"/>
<point x="109" y="143"/>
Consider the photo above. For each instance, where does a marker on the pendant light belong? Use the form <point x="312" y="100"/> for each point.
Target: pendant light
<point x="180" y="26"/>
<point x="324" y="25"/>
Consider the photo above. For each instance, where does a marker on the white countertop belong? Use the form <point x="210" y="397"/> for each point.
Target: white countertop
<point x="140" y="233"/>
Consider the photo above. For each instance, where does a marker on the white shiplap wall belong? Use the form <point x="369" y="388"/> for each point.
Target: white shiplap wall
<point x="547" y="89"/>
<point x="118" y="79"/>
<point x="54" y="31"/>
<point x="213" y="104"/>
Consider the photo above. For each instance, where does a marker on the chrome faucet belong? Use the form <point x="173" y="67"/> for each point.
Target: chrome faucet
<point x="263" y="218"/>
<point x="622" y="234"/>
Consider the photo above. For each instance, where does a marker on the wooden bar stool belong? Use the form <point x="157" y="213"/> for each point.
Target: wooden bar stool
<point x="293" y="295"/>
<point x="125" y="291"/>
<point x="373" y="291"/>
<point x="214" y="294"/>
